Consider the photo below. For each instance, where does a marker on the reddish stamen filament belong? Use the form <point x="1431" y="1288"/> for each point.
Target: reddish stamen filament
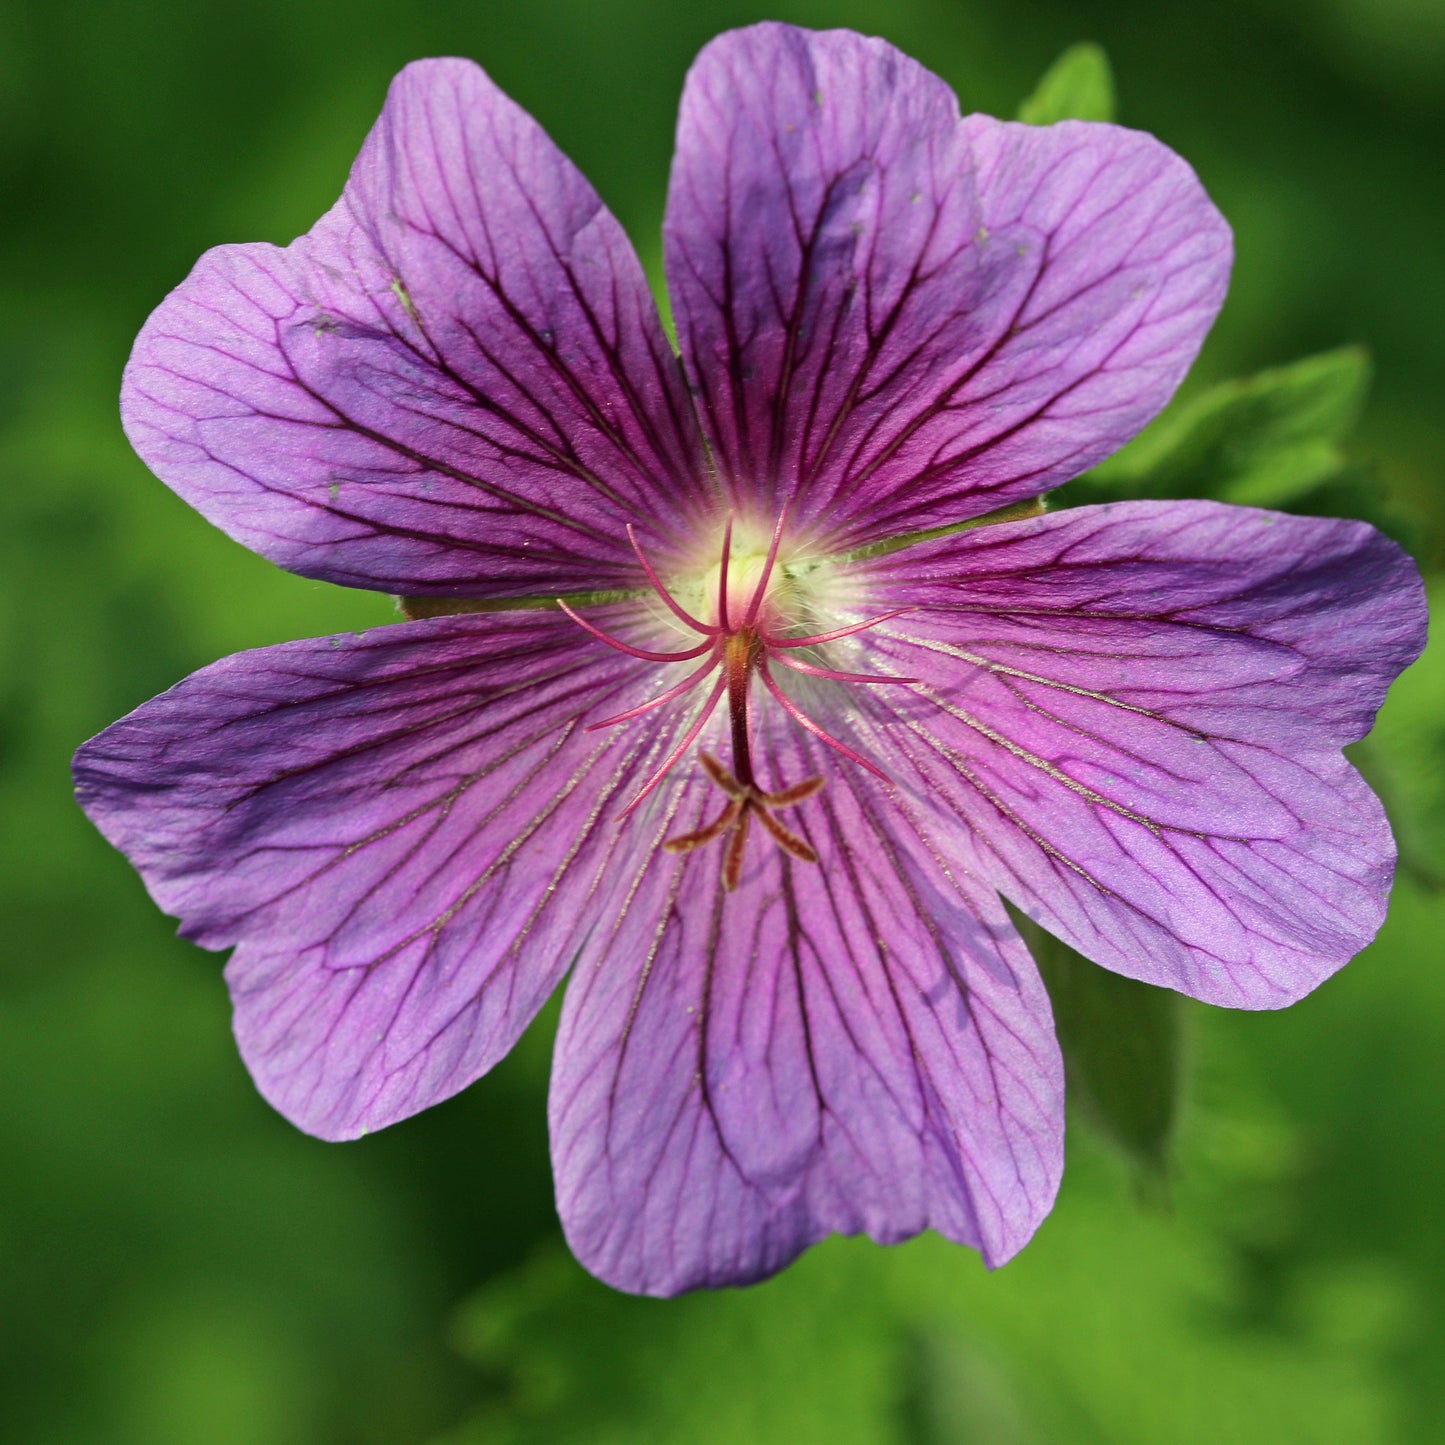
<point x="737" y="650"/>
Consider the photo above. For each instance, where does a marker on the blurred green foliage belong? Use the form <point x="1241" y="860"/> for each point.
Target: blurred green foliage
<point x="178" y="1265"/>
<point x="1124" y="1052"/>
<point x="1078" y="86"/>
<point x="1265" y="441"/>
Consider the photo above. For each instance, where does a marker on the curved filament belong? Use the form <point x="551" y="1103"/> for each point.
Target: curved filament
<point x="658" y="586"/>
<point x="686" y="685"/>
<point x="627" y="647"/>
<point x="761" y="590"/>
<point x="689" y="737"/>
<point x="722" y="579"/>
<point x="786" y="642"/>
<point x="834" y="676"/>
<point x="804" y="721"/>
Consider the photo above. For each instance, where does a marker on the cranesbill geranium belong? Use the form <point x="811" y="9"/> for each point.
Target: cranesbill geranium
<point x="717" y="692"/>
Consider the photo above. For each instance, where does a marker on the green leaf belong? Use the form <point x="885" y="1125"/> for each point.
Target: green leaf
<point x="1078" y="86"/>
<point x="1268" y="441"/>
<point x="1123" y="1046"/>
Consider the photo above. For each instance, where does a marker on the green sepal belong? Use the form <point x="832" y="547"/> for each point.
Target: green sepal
<point x="1123" y="1046"/>
<point x="1079" y="85"/>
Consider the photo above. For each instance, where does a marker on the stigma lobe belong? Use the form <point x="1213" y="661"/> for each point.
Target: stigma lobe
<point x="747" y="801"/>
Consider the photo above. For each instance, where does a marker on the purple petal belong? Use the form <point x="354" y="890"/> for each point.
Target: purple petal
<point x="901" y="319"/>
<point x="1137" y="710"/>
<point x="860" y="1045"/>
<point x="406" y="833"/>
<point x="457" y="382"/>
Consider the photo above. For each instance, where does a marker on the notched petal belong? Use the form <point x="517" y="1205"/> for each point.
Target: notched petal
<point x="403" y="834"/>
<point x="400" y="401"/>
<point x="1138" y="710"/>
<point x="897" y="318"/>
<point x="859" y="1045"/>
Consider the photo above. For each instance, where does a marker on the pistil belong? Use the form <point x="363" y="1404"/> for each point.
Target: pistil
<point x="740" y="653"/>
<point x="739" y="644"/>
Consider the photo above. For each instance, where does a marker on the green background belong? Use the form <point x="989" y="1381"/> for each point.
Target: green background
<point x="177" y="1264"/>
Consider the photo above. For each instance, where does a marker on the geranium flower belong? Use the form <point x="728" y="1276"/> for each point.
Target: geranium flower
<point x="759" y="774"/>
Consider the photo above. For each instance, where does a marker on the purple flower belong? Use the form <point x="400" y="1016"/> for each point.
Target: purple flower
<point x="759" y="779"/>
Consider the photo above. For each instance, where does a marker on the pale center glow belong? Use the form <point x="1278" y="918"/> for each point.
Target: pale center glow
<point x="803" y="589"/>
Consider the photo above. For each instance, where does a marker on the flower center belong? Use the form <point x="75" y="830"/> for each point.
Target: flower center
<point x="749" y="597"/>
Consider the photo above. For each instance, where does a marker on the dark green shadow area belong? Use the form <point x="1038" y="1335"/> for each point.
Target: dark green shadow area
<point x="178" y="1265"/>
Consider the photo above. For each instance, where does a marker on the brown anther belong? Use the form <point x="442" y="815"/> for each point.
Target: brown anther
<point x="798" y="793"/>
<point x="787" y="840"/>
<point x="733" y="855"/>
<point x="686" y="842"/>
<point x="747" y="801"/>
<point x="721" y="776"/>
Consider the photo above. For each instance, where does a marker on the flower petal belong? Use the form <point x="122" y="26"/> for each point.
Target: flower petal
<point x="1137" y="709"/>
<point x="405" y="833"/>
<point x="860" y="1045"/>
<point x="456" y="382"/>
<point x="902" y="320"/>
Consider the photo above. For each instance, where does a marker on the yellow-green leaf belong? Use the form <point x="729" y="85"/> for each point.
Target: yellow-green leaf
<point x="1265" y="441"/>
<point x="1078" y="86"/>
